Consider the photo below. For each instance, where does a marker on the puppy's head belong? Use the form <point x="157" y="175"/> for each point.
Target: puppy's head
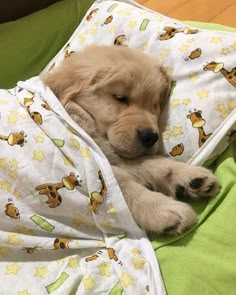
<point x="120" y="89"/>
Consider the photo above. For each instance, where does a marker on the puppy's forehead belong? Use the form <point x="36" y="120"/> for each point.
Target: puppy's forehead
<point x="145" y="88"/>
<point x="140" y="75"/>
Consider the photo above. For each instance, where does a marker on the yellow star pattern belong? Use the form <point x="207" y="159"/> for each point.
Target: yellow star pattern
<point x="104" y="269"/>
<point x="193" y="77"/>
<point x="41" y="271"/>
<point x="73" y="262"/>
<point x="17" y="194"/>
<point x="12" y="269"/>
<point x="39" y="139"/>
<point x="220" y="107"/>
<point x="13" y="163"/>
<point x="126" y="279"/>
<point x="186" y="101"/>
<point x="85" y="153"/>
<point x="165" y="52"/>
<point x="38" y="155"/>
<point x="234" y="46"/>
<point x="231" y="105"/>
<point x="12" y="174"/>
<point x="6" y="186"/>
<point x="139" y="262"/>
<point x="175" y="102"/>
<point x="12" y="118"/>
<point x="112" y="209"/>
<point x="203" y="94"/>
<point x="135" y="252"/>
<point x="3" y="162"/>
<point x="224" y="115"/>
<point x="166" y="136"/>
<point x="144" y="46"/>
<point x="81" y="38"/>
<point x="4" y="251"/>
<point x="112" y="29"/>
<point x="25" y="292"/>
<point x="78" y="220"/>
<point x="169" y="71"/>
<point x="216" y="40"/>
<point x="13" y="239"/>
<point x="94" y="29"/>
<point x="177" y="131"/>
<point x="75" y="143"/>
<point x="2" y="102"/>
<point x="191" y="40"/>
<point x="184" y="47"/>
<point x="224" y="51"/>
<point x="21" y="229"/>
<point x="60" y="261"/>
<point x="132" y="23"/>
<point x="89" y="282"/>
<point x="225" y="109"/>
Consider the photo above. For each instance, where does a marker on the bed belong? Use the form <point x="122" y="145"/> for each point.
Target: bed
<point x="201" y="261"/>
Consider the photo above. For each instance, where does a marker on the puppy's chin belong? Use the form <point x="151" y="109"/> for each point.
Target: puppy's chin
<point x="133" y="151"/>
<point x="136" y="155"/>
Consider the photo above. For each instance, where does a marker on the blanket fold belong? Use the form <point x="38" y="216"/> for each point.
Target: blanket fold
<point x="65" y="227"/>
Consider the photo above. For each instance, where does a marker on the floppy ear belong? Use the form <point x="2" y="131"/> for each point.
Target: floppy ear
<point x="67" y="80"/>
<point x="73" y="77"/>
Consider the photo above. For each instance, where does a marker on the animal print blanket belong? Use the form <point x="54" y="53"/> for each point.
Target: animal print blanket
<point x="65" y="227"/>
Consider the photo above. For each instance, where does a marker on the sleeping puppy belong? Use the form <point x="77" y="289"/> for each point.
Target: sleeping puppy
<point x="115" y="94"/>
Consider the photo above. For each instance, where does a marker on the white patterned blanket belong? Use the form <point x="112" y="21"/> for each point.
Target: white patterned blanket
<point x="65" y="227"/>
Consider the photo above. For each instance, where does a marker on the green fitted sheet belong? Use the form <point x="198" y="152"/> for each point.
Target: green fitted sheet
<point x="29" y="43"/>
<point x="203" y="261"/>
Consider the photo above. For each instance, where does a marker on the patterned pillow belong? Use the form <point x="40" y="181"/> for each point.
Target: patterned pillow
<point x="199" y="121"/>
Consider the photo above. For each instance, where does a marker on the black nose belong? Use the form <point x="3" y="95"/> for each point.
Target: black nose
<point x="148" y="137"/>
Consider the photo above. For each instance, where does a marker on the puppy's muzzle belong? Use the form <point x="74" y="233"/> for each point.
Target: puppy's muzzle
<point x="148" y="137"/>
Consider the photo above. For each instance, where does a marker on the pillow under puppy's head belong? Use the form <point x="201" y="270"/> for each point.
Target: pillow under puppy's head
<point x="199" y="121"/>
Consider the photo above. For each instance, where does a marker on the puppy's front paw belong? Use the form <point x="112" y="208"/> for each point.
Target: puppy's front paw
<point x="168" y="216"/>
<point x="176" y="217"/>
<point x="195" y="182"/>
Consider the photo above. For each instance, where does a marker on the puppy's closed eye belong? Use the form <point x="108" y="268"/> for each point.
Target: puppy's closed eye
<point x="121" y="98"/>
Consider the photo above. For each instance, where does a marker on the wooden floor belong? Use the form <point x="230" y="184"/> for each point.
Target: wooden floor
<point x="214" y="11"/>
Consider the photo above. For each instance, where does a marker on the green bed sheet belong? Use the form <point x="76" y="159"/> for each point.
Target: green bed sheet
<point x="200" y="262"/>
<point x="29" y="43"/>
<point x="203" y="261"/>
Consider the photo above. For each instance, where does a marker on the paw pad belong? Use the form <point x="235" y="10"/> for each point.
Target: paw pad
<point x="181" y="193"/>
<point x="196" y="183"/>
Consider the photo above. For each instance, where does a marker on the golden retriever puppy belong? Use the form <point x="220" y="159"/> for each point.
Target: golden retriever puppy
<point x="115" y="94"/>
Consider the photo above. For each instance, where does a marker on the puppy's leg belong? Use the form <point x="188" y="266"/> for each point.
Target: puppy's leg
<point x="154" y="211"/>
<point x="175" y="179"/>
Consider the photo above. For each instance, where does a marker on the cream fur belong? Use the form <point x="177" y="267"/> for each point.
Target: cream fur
<point x="88" y="85"/>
